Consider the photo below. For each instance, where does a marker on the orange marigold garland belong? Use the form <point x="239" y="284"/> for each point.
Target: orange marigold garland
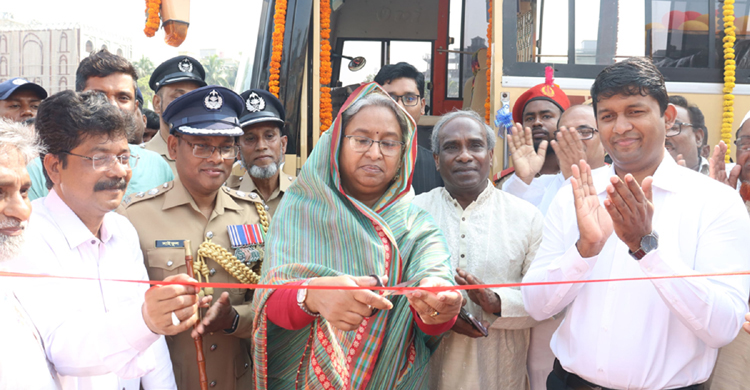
<point x="152" y="17"/>
<point x="279" y="23"/>
<point x="489" y="65"/>
<point x="326" y="107"/>
<point x="729" y="75"/>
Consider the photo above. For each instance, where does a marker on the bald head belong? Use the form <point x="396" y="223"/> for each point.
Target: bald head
<point x="581" y="118"/>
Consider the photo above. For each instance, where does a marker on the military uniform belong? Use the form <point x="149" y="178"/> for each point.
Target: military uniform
<point x="167" y="215"/>
<point x="159" y="145"/>
<point x="240" y="180"/>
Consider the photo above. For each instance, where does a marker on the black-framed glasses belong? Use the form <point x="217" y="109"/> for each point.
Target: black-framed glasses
<point x="743" y="143"/>
<point x="361" y="144"/>
<point x="677" y="128"/>
<point x="584" y="132"/>
<point x="104" y="162"/>
<point x="206" y="151"/>
<point x="408" y="99"/>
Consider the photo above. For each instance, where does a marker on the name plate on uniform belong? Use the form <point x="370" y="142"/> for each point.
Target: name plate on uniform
<point x="170" y="244"/>
<point x="247" y="241"/>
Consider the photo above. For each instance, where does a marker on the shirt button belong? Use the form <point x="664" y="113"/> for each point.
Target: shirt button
<point x="209" y="235"/>
<point x="247" y="365"/>
<point x="463" y="218"/>
<point x="462" y="256"/>
<point x="212" y="384"/>
<point x="93" y="242"/>
<point x="463" y="236"/>
<point x="213" y="347"/>
<point x="212" y="272"/>
<point x="169" y="263"/>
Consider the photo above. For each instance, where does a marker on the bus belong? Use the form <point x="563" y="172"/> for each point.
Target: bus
<point x="578" y="38"/>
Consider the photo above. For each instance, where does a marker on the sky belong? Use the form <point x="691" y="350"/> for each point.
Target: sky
<point x="229" y="26"/>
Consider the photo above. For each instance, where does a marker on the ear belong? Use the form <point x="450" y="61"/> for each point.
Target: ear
<point x="172" y="143"/>
<point x="698" y="137"/>
<point x="437" y="161"/>
<point x="669" y="116"/>
<point x="156" y="102"/>
<point x="422" y="107"/>
<point x="284" y="141"/>
<point x="53" y="166"/>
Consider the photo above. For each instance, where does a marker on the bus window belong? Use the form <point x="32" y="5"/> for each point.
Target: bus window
<point x="581" y="37"/>
<point x="467" y="27"/>
<point x="371" y="50"/>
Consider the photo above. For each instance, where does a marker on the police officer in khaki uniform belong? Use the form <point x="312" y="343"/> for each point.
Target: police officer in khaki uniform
<point x="170" y="80"/>
<point x="262" y="149"/>
<point x="197" y="207"/>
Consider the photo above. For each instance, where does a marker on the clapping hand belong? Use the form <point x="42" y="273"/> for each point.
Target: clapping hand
<point x="631" y="208"/>
<point x="569" y="149"/>
<point x="527" y="162"/>
<point x="594" y="222"/>
<point x="717" y="169"/>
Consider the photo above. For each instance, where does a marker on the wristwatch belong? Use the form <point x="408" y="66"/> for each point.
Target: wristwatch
<point x="649" y="242"/>
<point x="235" y="322"/>
<point x="301" y="296"/>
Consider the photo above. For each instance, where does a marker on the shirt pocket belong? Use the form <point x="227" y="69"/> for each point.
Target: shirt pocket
<point x="164" y="262"/>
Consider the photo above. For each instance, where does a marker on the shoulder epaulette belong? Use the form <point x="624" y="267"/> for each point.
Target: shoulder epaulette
<point x="246" y="196"/>
<point x="144" y="195"/>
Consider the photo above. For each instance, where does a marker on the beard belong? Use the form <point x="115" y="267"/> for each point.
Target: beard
<point x="10" y="246"/>
<point x="266" y="172"/>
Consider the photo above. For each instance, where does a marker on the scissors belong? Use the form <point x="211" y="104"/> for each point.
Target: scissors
<point x="387" y="293"/>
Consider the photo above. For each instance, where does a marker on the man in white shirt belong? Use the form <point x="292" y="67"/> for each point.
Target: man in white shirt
<point x="101" y="333"/>
<point x="685" y="138"/>
<point x="648" y="334"/>
<point x="23" y="364"/>
<point x="493" y="236"/>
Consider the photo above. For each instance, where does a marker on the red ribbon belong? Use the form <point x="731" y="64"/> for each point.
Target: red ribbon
<point x="398" y="289"/>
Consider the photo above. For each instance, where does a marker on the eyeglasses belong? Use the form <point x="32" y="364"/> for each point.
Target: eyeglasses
<point x="105" y="162"/>
<point x="677" y="128"/>
<point x="409" y="100"/>
<point x="743" y="143"/>
<point x="584" y="132"/>
<point x="252" y="140"/>
<point x="361" y="144"/>
<point x="206" y="151"/>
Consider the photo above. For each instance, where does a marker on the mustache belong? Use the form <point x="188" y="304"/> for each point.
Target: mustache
<point x="13" y="223"/>
<point x="114" y="184"/>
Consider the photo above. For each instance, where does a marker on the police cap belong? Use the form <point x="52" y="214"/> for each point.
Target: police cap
<point x="207" y="111"/>
<point x="261" y="106"/>
<point x="174" y="70"/>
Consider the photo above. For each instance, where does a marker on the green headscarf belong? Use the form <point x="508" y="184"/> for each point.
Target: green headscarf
<point x="319" y="230"/>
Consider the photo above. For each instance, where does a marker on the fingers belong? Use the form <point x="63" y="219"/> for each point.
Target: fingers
<point x="542" y="152"/>
<point x="513" y="138"/>
<point x="188" y="288"/>
<point x="681" y="161"/>
<point x="648" y="188"/>
<point x="369" y="298"/>
<point x="527" y="137"/>
<point x="460" y="281"/>
<point x="734" y="176"/>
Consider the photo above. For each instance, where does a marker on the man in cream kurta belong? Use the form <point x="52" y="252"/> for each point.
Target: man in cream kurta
<point x="493" y="237"/>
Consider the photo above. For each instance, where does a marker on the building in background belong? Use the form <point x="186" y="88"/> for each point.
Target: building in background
<point x="49" y="55"/>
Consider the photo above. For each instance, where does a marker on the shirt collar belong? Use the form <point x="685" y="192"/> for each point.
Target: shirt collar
<point x="483" y="197"/>
<point x="71" y="226"/>
<point x="179" y="196"/>
<point x="668" y="175"/>
<point x="248" y="185"/>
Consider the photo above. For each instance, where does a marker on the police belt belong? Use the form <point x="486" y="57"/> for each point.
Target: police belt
<point x="575" y="382"/>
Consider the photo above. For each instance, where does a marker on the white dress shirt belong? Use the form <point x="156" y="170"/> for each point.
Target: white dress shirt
<point x="651" y="334"/>
<point x="495" y="239"/>
<point x="93" y="330"/>
<point x="540" y="192"/>
<point x="23" y="364"/>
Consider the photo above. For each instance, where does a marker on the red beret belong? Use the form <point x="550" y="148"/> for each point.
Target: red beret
<point x="548" y="91"/>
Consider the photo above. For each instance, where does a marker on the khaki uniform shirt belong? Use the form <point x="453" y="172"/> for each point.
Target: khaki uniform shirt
<point x="159" y="145"/>
<point x="168" y="212"/>
<point x="240" y="180"/>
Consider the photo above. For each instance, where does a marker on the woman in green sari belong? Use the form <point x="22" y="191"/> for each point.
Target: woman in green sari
<point x="347" y="216"/>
